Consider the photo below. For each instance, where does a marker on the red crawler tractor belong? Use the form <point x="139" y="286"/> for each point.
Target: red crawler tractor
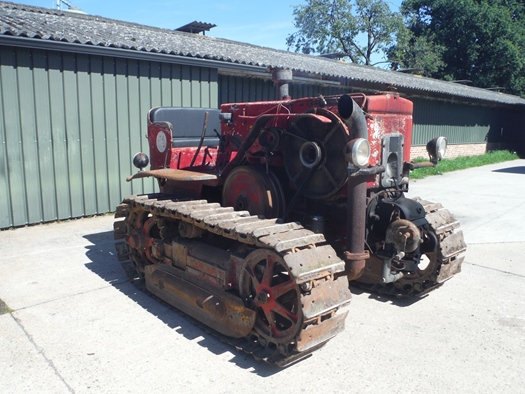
<point x="266" y="210"/>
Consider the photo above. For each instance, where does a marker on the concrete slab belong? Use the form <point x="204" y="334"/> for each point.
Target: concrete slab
<point x="116" y="339"/>
<point x="47" y="262"/>
<point x="80" y="326"/>
<point x="506" y="257"/>
<point x="23" y="366"/>
<point x="488" y="200"/>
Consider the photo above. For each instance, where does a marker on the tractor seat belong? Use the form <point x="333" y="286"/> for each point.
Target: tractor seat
<point x="187" y="124"/>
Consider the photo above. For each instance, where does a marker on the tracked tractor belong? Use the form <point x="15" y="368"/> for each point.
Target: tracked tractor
<point x="268" y="210"/>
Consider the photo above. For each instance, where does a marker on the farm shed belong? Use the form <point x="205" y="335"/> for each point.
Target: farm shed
<point x="75" y="90"/>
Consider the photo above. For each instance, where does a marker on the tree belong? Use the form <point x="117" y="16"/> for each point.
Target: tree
<point x="341" y="26"/>
<point x="478" y="40"/>
<point x="416" y="52"/>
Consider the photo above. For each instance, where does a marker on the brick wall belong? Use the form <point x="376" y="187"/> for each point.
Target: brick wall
<point x="455" y="150"/>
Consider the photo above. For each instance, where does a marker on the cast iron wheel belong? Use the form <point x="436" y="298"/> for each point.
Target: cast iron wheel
<point x="268" y="287"/>
<point x="250" y="189"/>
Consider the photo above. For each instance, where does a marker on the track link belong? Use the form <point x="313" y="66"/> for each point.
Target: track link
<point x="312" y="265"/>
<point x="446" y="261"/>
<point x="452" y="246"/>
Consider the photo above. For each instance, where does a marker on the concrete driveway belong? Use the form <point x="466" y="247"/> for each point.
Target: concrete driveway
<point x="78" y="325"/>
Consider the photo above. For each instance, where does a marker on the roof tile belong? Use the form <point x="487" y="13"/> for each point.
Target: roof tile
<point x="47" y="24"/>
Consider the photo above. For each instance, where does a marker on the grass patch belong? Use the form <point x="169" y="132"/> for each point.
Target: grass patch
<point x="4" y="308"/>
<point x="461" y="163"/>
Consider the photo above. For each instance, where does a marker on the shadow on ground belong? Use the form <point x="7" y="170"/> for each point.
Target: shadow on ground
<point x="104" y="263"/>
<point x="121" y="275"/>
<point x="512" y="170"/>
<point x="401" y="302"/>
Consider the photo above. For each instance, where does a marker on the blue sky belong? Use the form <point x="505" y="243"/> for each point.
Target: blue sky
<point x="265" y="23"/>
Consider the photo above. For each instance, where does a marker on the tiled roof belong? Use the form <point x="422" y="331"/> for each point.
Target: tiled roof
<point x="46" y="24"/>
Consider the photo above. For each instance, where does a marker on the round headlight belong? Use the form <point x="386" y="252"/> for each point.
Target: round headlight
<point x="357" y="152"/>
<point x="437" y="148"/>
<point x="141" y="160"/>
<point x="441" y="147"/>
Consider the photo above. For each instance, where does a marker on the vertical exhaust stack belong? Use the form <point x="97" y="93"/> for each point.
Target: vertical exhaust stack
<point x="355" y="253"/>
<point x="281" y="77"/>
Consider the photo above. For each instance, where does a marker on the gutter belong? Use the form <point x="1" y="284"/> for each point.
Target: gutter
<point x="60" y="46"/>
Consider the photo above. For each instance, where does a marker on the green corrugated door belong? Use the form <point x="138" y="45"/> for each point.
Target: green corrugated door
<point x="71" y="123"/>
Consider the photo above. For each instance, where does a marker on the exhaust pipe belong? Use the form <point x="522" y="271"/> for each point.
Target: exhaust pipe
<point x="353" y="116"/>
<point x="282" y="77"/>
<point x="355" y="254"/>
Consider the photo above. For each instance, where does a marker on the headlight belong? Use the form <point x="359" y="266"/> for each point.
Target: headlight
<point x="141" y="160"/>
<point x="357" y="152"/>
<point x="437" y="148"/>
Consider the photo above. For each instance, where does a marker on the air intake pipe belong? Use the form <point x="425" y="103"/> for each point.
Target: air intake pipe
<point x="355" y="253"/>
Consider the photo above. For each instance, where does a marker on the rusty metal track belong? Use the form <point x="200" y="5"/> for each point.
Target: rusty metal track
<point x="452" y="246"/>
<point x="310" y="260"/>
<point x="243" y="345"/>
<point x="448" y="259"/>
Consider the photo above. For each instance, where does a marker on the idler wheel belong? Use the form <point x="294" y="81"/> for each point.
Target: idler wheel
<point x="268" y="287"/>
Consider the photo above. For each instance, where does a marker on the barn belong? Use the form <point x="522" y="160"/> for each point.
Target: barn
<point x="75" y="90"/>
